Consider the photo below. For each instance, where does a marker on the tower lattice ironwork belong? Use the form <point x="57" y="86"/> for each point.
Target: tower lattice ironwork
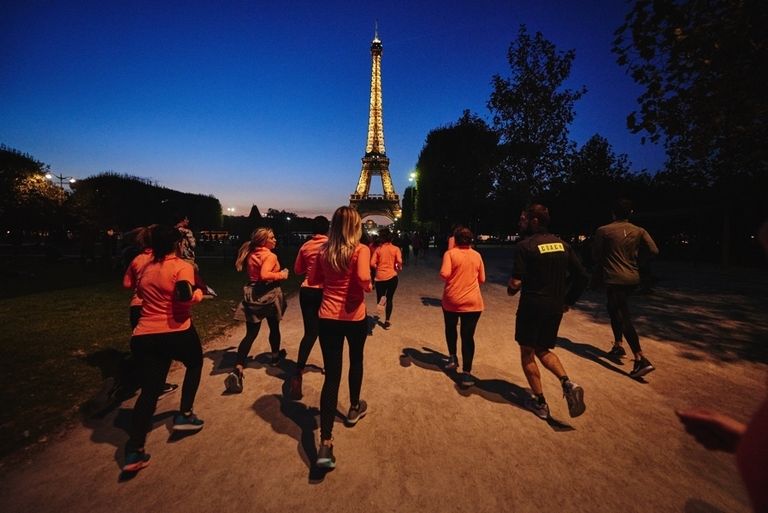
<point x="375" y="161"/>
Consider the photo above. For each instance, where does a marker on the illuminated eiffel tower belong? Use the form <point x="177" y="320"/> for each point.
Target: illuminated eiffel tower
<point x="375" y="161"/>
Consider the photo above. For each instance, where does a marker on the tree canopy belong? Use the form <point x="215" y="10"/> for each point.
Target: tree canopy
<point x="455" y="173"/>
<point x="531" y="112"/>
<point x="702" y="64"/>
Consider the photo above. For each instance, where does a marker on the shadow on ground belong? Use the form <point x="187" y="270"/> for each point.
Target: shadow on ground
<point x="298" y="421"/>
<point x="494" y="390"/>
<point x="719" y="323"/>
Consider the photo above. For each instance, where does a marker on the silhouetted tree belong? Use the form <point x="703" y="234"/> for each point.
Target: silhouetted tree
<point x="531" y="112"/>
<point x="409" y="219"/>
<point x="28" y="201"/>
<point x="455" y="173"/>
<point x="702" y="66"/>
<point x="595" y="177"/>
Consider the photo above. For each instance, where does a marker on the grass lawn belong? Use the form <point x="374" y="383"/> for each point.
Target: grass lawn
<point x="65" y="328"/>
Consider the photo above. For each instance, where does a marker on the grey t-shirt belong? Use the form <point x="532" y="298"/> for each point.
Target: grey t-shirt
<point x="615" y="248"/>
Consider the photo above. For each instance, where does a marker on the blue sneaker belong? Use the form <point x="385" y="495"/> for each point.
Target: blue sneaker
<point x="189" y="422"/>
<point x="135" y="461"/>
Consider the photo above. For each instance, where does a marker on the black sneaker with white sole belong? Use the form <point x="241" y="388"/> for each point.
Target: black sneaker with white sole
<point x="356" y="413"/>
<point x="617" y="352"/>
<point x="540" y="409"/>
<point x="466" y="379"/>
<point x="641" y="368"/>
<point x="325" y="457"/>
<point x="233" y="383"/>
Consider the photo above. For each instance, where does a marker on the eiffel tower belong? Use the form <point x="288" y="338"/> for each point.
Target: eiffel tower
<point x="375" y="161"/>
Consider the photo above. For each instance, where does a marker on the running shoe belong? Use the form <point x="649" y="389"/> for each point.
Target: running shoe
<point x="466" y="379"/>
<point x="387" y="325"/>
<point x="189" y="422"/>
<point x="617" y="351"/>
<point x="168" y="388"/>
<point x="453" y="362"/>
<point x="541" y="410"/>
<point x="641" y="368"/>
<point x="357" y="412"/>
<point x="294" y="387"/>
<point x="382" y="304"/>
<point x="574" y="396"/>
<point x="135" y="461"/>
<point x="325" y="457"/>
<point x="233" y="383"/>
<point x="275" y="358"/>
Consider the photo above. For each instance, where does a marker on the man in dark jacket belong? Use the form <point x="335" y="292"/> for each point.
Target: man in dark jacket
<point x="551" y="278"/>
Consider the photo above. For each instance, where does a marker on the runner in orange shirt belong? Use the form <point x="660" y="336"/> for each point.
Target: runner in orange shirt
<point x="343" y="268"/>
<point x="463" y="272"/>
<point x="388" y="261"/>
<point x="131" y="280"/>
<point x="262" y="298"/>
<point x="164" y="333"/>
<point x="309" y="298"/>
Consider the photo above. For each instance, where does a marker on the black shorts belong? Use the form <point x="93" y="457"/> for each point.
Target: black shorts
<point x="537" y="328"/>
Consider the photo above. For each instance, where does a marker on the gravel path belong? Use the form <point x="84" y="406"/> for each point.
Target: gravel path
<point x="428" y="445"/>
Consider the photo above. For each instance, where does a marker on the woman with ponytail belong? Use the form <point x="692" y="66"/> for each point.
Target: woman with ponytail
<point x="344" y="270"/>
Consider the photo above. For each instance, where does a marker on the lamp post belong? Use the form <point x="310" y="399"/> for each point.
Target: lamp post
<point x="61" y="179"/>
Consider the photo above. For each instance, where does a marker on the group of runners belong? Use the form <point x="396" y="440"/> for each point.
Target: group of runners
<point x="339" y="270"/>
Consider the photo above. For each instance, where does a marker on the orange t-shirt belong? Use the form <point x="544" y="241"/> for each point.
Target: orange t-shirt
<point x="344" y="292"/>
<point x="262" y="265"/>
<point x="463" y="272"/>
<point x="160" y="311"/>
<point x="307" y="257"/>
<point x="388" y="260"/>
<point x="133" y="274"/>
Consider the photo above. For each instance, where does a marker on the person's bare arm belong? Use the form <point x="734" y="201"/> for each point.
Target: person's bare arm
<point x="712" y="429"/>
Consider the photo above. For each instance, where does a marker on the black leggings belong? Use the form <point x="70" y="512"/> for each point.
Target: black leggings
<point x="386" y="288"/>
<point x="332" y="334"/>
<point x="621" y="321"/>
<point x="309" y="301"/>
<point x="251" y="331"/>
<point x="154" y="354"/>
<point x="468" y="325"/>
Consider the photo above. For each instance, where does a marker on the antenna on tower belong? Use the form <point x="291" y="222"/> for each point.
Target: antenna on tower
<point x="376" y="30"/>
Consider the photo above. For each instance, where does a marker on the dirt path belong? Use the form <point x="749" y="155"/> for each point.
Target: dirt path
<point x="426" y="444"/>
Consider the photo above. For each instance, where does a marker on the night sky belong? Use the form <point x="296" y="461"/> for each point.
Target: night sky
<point x="267" y="102"/>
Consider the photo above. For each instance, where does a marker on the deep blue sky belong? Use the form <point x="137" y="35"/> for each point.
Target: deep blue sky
<point x="267" y="102"/>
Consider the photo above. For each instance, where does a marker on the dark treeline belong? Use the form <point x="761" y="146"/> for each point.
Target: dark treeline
<point x="32" y="204"/>
<point x="110" y="199"/>
<point x="701" y="69"/>
<point x="33" y="207"/>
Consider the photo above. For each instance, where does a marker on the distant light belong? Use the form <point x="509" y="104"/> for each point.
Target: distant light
<point x="287" y="218"/>
<point x="48" y="176"/>
<point x="72" y="180"/>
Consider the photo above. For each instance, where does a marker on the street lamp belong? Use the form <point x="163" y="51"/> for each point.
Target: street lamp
<point x="412" y="176"/>
<point x="61" y="179"/>
<point x="231" y="210"/>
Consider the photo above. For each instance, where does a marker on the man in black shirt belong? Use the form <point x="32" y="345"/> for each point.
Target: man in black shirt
<point x="552" y="279"/>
